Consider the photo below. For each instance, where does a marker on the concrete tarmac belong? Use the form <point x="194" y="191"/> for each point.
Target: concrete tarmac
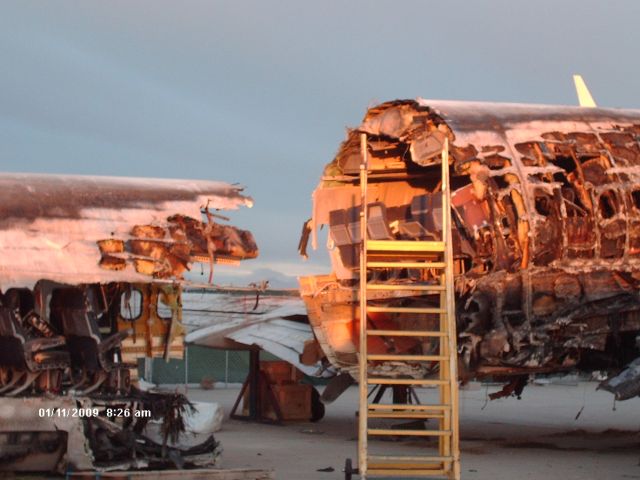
<point x="537" y="437"/>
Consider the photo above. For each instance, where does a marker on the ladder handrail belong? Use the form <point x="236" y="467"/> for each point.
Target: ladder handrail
<point x="451" y="308"/>
<point x="362" y="359"/>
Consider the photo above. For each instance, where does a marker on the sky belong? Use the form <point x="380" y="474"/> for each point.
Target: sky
<point x="260" y="93"/>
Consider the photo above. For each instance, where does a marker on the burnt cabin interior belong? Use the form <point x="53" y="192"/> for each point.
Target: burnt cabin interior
<point x="98" y="240"/>
<point x="546" y="239"/>
<point x="57" y="339"/>
<point x="91" y="282"/>
<point x="55" y="327"/>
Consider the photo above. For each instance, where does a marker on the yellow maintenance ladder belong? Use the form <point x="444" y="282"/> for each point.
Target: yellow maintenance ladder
<point x="438" y="257"/>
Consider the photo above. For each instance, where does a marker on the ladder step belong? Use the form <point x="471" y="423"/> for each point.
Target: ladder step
<point x="408" y="406"/>
<point x="406" y="414"/>
<point x="405" y="310"/>
<point x="417" y="287"/>
<point x="411" y="472"/>
<point x="403" y="458"/>
<point x="404" y="246"/>
<point x="406" y="381"/>
<point x="408" y="358"/>
<point x="406" y="265"/>
<point x="406" y="333"/>
<point x="408" y="433"/>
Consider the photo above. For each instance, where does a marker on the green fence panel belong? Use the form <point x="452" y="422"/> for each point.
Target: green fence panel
<point x="202" y="363"/>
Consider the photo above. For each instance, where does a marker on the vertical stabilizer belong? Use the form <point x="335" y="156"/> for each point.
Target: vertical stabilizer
<point x="584" y="96"/>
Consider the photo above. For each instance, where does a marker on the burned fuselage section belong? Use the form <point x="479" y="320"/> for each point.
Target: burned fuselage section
<point x="90" y="283"/>
<point x="546" y="213"/>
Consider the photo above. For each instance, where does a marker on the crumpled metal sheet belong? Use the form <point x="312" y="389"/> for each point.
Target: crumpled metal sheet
<point x="24" y="415"/>
<point x="228" y="321"/>
<point x="283" y="338"/>
<point x="223" y="311"/>
<point x="60" y="227"/>
<point x="626" y="384"/>
<point x="87" y="442"/>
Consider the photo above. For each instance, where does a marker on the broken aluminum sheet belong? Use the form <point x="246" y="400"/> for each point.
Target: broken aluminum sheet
<point x="24" y="415"/>
<point x="278" y="324"/>
<point x="626" y="384"/>
<point x="200" y="424"/>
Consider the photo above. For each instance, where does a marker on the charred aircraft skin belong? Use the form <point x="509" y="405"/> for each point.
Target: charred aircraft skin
<point x="81" y="230"/>
<point x="546" y="210"/>
<point x="90" y="282"/>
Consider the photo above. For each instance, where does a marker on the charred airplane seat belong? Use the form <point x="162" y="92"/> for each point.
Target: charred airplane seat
<point x="378" y="223"/>
<point x="23" y="354"/>
<point x="91" y="354"/>
<point x="345" y="233"/>
<point x="423" y="224"/>
<point x="425" y="221"/>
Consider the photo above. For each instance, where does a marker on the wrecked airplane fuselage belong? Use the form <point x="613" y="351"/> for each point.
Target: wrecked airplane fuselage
<point x="90" y="281"/>
<point x="546" y="212"/>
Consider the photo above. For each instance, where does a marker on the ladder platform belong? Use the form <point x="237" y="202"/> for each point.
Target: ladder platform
<point x="406" y="333"/>
<point x="406" y="381"/>
<point x="408" y="433"/>
<point x="438" y="265"/>
<point x="405" y="309"/>
<point x="407" y="358"/>
<point x="416" y="287"/>
<point x="405" y="246"/>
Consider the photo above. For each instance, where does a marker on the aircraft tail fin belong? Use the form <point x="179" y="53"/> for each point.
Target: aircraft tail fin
<point x="584" y="96"/>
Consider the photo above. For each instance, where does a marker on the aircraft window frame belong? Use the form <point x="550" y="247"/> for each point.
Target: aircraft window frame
<point x="134" y="292"/>
<point x="608" y="204"/>
<point x="543" y="203"/>
<point x="635" y="198"/>
<point x="159" y="303"/>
